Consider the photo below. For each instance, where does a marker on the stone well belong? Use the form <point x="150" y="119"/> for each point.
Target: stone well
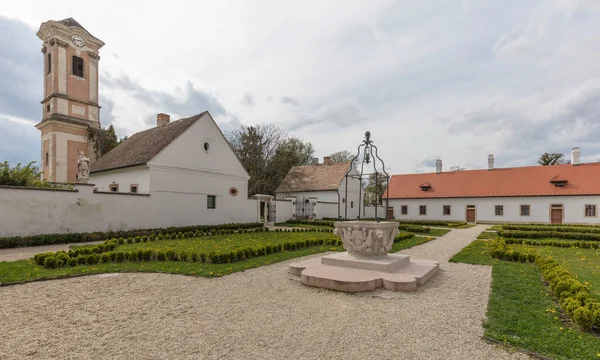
<point x="366" y="265"/>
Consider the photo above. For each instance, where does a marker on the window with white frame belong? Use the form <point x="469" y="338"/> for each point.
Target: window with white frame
<point x="422" y="209"/>
<point x="590" y="210"/>
<point x="404" y="209"/>
<point x="211" y="202"/>
<point x="499" y="210"/>
<point x="446" y="210"/>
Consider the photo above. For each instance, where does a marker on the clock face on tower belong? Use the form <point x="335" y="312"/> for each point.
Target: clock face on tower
<point x="77" y="40"/>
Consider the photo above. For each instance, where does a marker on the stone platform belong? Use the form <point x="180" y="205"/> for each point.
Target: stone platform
<point x="345" y="272"/>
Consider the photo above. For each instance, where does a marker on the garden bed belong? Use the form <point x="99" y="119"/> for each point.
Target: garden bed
<point x="522" y="311"/>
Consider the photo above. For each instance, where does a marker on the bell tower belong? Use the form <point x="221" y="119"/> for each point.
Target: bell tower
<point x="70" y="103"/>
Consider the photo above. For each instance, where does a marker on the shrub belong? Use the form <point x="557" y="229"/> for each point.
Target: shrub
<point x="120" y="256"/>
<point x="50" y="262"/>
<point x="121" y="241"/>
<point x="92" y="259"/>
<point x="73" y="261"/>
<point x="105" y="258"/>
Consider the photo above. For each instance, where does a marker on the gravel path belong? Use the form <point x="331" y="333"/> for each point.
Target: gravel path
<point x="257" y="314"/>
<point x="23" y="253"/>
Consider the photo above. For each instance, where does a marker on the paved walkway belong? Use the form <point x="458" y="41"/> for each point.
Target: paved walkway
<point x="23" y="253"/>
<point x="261" y="313"/>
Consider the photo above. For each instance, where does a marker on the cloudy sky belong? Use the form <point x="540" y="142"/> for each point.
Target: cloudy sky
<point x="450" y="79"/>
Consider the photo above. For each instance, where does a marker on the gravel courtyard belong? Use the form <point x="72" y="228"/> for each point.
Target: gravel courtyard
<point x="258" y="314"/>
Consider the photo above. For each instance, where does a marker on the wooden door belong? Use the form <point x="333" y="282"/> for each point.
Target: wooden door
<point x="470" y="215"/>
<point x="556" y="216"/>
<point x="390" y="214"/>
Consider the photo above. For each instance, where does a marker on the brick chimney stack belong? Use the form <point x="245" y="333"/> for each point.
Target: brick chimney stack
<point x="162" y="119"/>
<point x="327" y="160"/>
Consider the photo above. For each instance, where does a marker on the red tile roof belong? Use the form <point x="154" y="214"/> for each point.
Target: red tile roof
<point x="314" y="177"/>
<point x="583" y="179"/>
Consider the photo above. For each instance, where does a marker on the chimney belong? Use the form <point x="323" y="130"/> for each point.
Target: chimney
<point x="162" y="119"/>
<point x="438" y="166"/>
<point x="575" y="155"/>
<point x="491" y="162"/>
<point x="315" y="161"/>
<point x="327" y="160"/>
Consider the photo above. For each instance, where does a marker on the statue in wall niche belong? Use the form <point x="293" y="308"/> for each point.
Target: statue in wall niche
<point x="83" y="168"/>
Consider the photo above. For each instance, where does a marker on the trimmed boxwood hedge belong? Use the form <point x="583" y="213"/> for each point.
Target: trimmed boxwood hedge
<point x="51" y="239"/>
<point x="432" y="223"/>
<point x="555" y="243"/>
<point x="518" y="234"/>
<point x="565" y="228"/>
<point x="574" y="297"/>
<point x="104" y="253"/>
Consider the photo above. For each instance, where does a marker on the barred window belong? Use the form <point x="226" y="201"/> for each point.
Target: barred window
<point x="525" y="210"/>
<point x="404" y="210"/>
<point x="422" y="209"/>
<point x="499" y="210"/>
<point x="590" y="210"/>
<point x="211" y="202"/>
<point x="446" y="209"/>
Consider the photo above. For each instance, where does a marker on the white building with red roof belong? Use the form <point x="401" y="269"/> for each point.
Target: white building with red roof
<point x="566" y="193"/>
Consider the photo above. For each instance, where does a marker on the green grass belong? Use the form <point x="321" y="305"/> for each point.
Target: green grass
<point x="435" y="232"/>
<point x="304" y="226"/>
<point x="487" y="235"/>
<point x="496" y="227"/>
<point x="522" y="312"/>
<point x="27" y="270"/>
<point x="226" y="243"/>
<point x="584" y="263"/>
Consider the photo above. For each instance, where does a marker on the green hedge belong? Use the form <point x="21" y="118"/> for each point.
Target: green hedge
<point x="550" y="225"/>
<point x="414" y="228"/>
<point x="574" y="229"/>
<point x="61" y="258"/>
<point x="311" y="222"/>
<point x="518" y="234"/>
<point x="432" y="222"/>
<point x="405" y="227"/>
<point x="51" y="239"/>
<point x="104" y="253"/>
<point x="574" y="297"/>
<point x="555" y="243"/>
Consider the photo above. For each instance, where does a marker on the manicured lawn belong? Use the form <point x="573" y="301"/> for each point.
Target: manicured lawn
<point x="27" y="270"/>
<point x="226" y="243"/>
<point x="304" y="226"/>
<point x="522" y="312"/>
<point x="486" y="235"/>
<point x="585" y="263"/>
<point x="435" y="232"/>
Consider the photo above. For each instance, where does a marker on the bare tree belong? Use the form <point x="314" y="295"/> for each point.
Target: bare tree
<point x="268" y="154"/>
<point x="547" y="159"/>
<point x="341" y="156"/>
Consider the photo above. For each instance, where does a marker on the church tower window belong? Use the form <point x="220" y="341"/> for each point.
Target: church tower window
<point x="49" y="69"/>
<point x="77" y="66"/>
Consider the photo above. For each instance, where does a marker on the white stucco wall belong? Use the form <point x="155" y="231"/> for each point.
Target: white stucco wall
<point x="125" y="177"/>
<point x="326" y="210"/>
<point x="573" y="209"/>
<point x="30" y="212"/>
<point x="284" y="210"/>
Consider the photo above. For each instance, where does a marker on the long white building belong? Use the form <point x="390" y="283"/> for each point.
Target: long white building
<point x="567" y="193"/>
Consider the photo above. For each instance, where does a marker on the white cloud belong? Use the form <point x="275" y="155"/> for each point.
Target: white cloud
<point x="427" y="79"/>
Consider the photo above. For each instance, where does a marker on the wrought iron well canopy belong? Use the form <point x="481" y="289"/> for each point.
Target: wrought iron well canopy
<point x="365" y="164"/>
